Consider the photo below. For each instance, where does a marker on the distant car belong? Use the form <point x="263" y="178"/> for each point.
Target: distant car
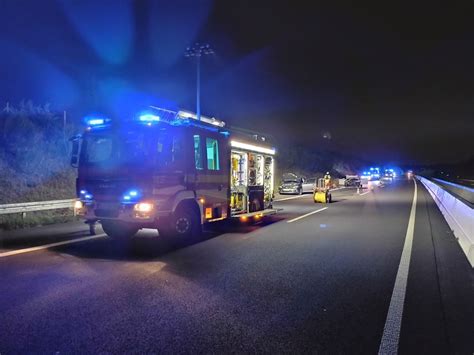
<point x="352" y="182"/>
<point x="387" y="177"/>
<point x="291" y="184"/>
<point x="308" y="185"/>
<point x="375" y="177"/>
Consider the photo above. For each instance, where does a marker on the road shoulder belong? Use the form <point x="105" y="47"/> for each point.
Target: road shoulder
<point x="438" y="312"/>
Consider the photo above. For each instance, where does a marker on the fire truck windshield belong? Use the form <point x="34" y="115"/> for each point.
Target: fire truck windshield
<point x="97" y="149"/>
<point x="133" y="148"/>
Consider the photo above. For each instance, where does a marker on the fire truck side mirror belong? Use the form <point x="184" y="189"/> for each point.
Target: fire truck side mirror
<point x="74" y="162"/>
<point x="75" y="154"/>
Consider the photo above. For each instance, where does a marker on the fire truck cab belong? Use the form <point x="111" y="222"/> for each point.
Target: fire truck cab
<point x="169" y="171"/>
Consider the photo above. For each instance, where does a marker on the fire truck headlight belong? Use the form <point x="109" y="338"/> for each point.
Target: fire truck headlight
<point x="143" y="207"/>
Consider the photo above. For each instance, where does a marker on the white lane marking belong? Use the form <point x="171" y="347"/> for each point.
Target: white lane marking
<point x="52" y="245"/>
<point x="304" y="195"/>
<point x="391" y="331"/>
<point x="340" y="188"/>
<point x="306" y="215"/>
<point x="365" y="193"/>
<point x="291" y="198"/>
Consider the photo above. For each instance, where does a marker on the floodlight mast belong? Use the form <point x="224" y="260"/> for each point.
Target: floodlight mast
<point x="198" y="50"/>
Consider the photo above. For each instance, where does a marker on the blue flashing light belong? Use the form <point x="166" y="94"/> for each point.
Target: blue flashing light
<point x="225" y="133"/>
<point x="85" y="195"/>
<point x="131" y="196"/>
<point x="371" y="169"/>
<point x="95" y="121"/>
<point x="148" y="118"/>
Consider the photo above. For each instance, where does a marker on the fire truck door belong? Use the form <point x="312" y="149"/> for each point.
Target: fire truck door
<point x="212" y="175"/>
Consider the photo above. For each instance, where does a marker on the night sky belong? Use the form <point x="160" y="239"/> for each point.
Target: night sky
<point x="391" y="81"/>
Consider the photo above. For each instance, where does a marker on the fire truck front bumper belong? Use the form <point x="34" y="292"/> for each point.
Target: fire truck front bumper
<point x="133" y="213"/>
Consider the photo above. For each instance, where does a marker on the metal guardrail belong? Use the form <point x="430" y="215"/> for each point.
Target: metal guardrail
<point x="36" y="206"/>
<point x="458" y="215"/>
<point x="467" y="182"/>
<point x="464" y="192"/>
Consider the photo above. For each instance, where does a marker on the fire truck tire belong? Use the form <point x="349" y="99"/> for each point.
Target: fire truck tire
<point x="183" y="224"/>
<point x="119" y="230"/>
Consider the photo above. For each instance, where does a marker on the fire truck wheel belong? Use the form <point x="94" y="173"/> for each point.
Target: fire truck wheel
<point x="119" y="230"/>
<point x="183" y="224"/>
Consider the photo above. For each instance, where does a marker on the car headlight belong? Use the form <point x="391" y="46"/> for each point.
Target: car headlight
<point x="78" y="205"/>
<point x="143" y="207"/>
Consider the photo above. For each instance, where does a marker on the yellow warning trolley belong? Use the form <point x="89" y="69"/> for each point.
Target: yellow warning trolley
<point x="321" y="193"/>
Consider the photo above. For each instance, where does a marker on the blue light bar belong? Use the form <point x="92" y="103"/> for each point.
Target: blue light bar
<point x="148" y="117"/>
<point x="95" y="121"/>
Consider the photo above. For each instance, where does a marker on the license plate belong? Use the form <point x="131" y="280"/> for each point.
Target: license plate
<point x="108" y="206"/>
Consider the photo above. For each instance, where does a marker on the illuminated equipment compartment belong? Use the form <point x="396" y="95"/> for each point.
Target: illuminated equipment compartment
<point x="252" y="174"/>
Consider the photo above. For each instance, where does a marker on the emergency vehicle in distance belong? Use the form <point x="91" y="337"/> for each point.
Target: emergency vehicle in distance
<point x="169" y="171"/>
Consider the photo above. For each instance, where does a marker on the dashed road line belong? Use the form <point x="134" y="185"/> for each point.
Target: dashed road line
<point x="304" y="195"/>
<point x="291" y="198"/>
<point x="52" y="245"/>
<point x="306" y="215"/>
<point x="391" y="332"/>
<point x="340" y="188"/>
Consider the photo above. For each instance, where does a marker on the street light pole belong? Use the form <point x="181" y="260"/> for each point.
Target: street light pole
<point x="198" y="50"/>
<point x="198" y="87"/>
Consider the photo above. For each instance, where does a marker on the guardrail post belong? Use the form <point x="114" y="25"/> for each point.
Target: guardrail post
<point x="23" y="215"/>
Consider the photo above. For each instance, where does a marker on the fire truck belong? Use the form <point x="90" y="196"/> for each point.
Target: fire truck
<point x="170" y="171"/>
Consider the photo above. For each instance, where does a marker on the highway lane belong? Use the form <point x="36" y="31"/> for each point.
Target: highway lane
<point x="320" y="284"/>
<point x="38" y="237"/>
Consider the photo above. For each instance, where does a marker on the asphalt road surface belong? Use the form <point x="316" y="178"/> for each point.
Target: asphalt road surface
<point x="312" y="279"/>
